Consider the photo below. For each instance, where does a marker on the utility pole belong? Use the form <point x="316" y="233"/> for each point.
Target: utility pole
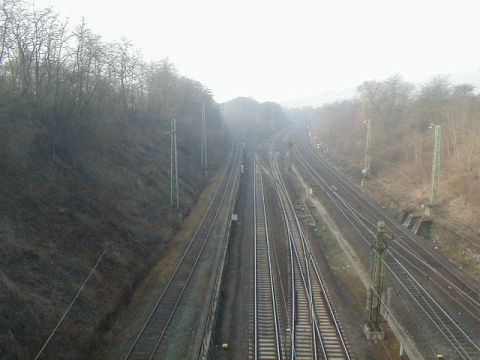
<point x="204" y="143"/>
<point x="366" y="171"/>
<point x="289" y="156"/>
<point x="244" y="159"/>
<point x="435" y="165"/>
<point x="373" y="329"/>
<point x="174" y="202"/>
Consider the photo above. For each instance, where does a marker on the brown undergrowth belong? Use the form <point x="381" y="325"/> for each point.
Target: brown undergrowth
<point x="110" y="190"/>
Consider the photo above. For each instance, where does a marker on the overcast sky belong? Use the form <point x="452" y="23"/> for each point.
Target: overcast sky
<point x="278" y="50"/>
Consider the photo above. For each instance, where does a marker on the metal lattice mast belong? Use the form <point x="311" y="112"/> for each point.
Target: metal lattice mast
<point x="174" y="201"/>
<point x="204" y="143"/>
<point x="377" y="273"/>
<point x="289" y="156"/>
<point x="435" y="166"/>
<point x="368" y="150"/>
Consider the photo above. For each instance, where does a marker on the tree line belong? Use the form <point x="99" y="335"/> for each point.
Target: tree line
<point x="402" y="114"/>
<point x="63" y="77"/>
<point x="252" y="120"/>
<point x="85" y="166"/>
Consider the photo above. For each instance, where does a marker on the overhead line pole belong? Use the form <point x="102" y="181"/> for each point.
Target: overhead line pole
<point x="435" y="166"/>
<point x="204" y="143"/>
<point x="368" y="150"/>
<point x="366" y="171"/>
<point x="373" y="329"/>
<point x="174" y="199"/>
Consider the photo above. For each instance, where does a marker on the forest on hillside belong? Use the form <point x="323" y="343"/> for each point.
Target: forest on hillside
<point x="84" y="171"/>
<point x="403" y="115"/>
<point x="253" y="121"/>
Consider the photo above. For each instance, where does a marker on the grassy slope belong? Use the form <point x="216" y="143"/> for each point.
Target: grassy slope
<point x="56" y="217"/>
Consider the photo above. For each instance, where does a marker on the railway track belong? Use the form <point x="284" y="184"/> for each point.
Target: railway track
<point x="147" y="341"/>
<point x="455" y="335"/>
<point x="303" y="326"/>
<point x="317" y="333"/>
<point x="267" y="332"/>
<point x="405" y="243"/>
<point x="414" y="262"/>
<point x="402" y="257"/>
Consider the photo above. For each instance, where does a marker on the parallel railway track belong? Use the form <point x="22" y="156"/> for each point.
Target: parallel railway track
<point x="403" y="256"/>
<point x="267" y="343"/>
<point x="317" y="332"/>
<point x="146" y="343"/>
<point x="405" y="241"/>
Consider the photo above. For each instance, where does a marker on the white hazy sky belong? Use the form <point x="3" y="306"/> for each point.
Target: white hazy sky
<point x="278" y="50"/>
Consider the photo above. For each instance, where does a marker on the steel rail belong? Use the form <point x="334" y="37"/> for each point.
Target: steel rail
<point x="302" y="341"/>
<point x="333" y="345"/>
<point x="470" y="293"/>
<point x="255" y="341"/>
<point x="209" y="316"/>
<point x="177" y="288"/>
<point x="301" y="270"/>
<point x="441" y="312"/>
<point x="370" y="227"/>
<point x="267" y="340"/>
<point x="406" y="246"/>
<point x="324" y="292"/>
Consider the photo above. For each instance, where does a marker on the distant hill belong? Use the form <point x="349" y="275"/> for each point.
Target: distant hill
<point x="317" y="100"/>
<point x="249" y="118"/>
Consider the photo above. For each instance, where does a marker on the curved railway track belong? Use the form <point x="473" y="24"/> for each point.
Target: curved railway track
<point x="146" y="343"/>
<point x="317" y="332"/>
<point x="406" y="242"/>
<point x="402" y="257"/>
<point x="413" y="261"/>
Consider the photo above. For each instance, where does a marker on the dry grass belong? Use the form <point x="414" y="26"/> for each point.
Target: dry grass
<point x="57" y="215"/>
